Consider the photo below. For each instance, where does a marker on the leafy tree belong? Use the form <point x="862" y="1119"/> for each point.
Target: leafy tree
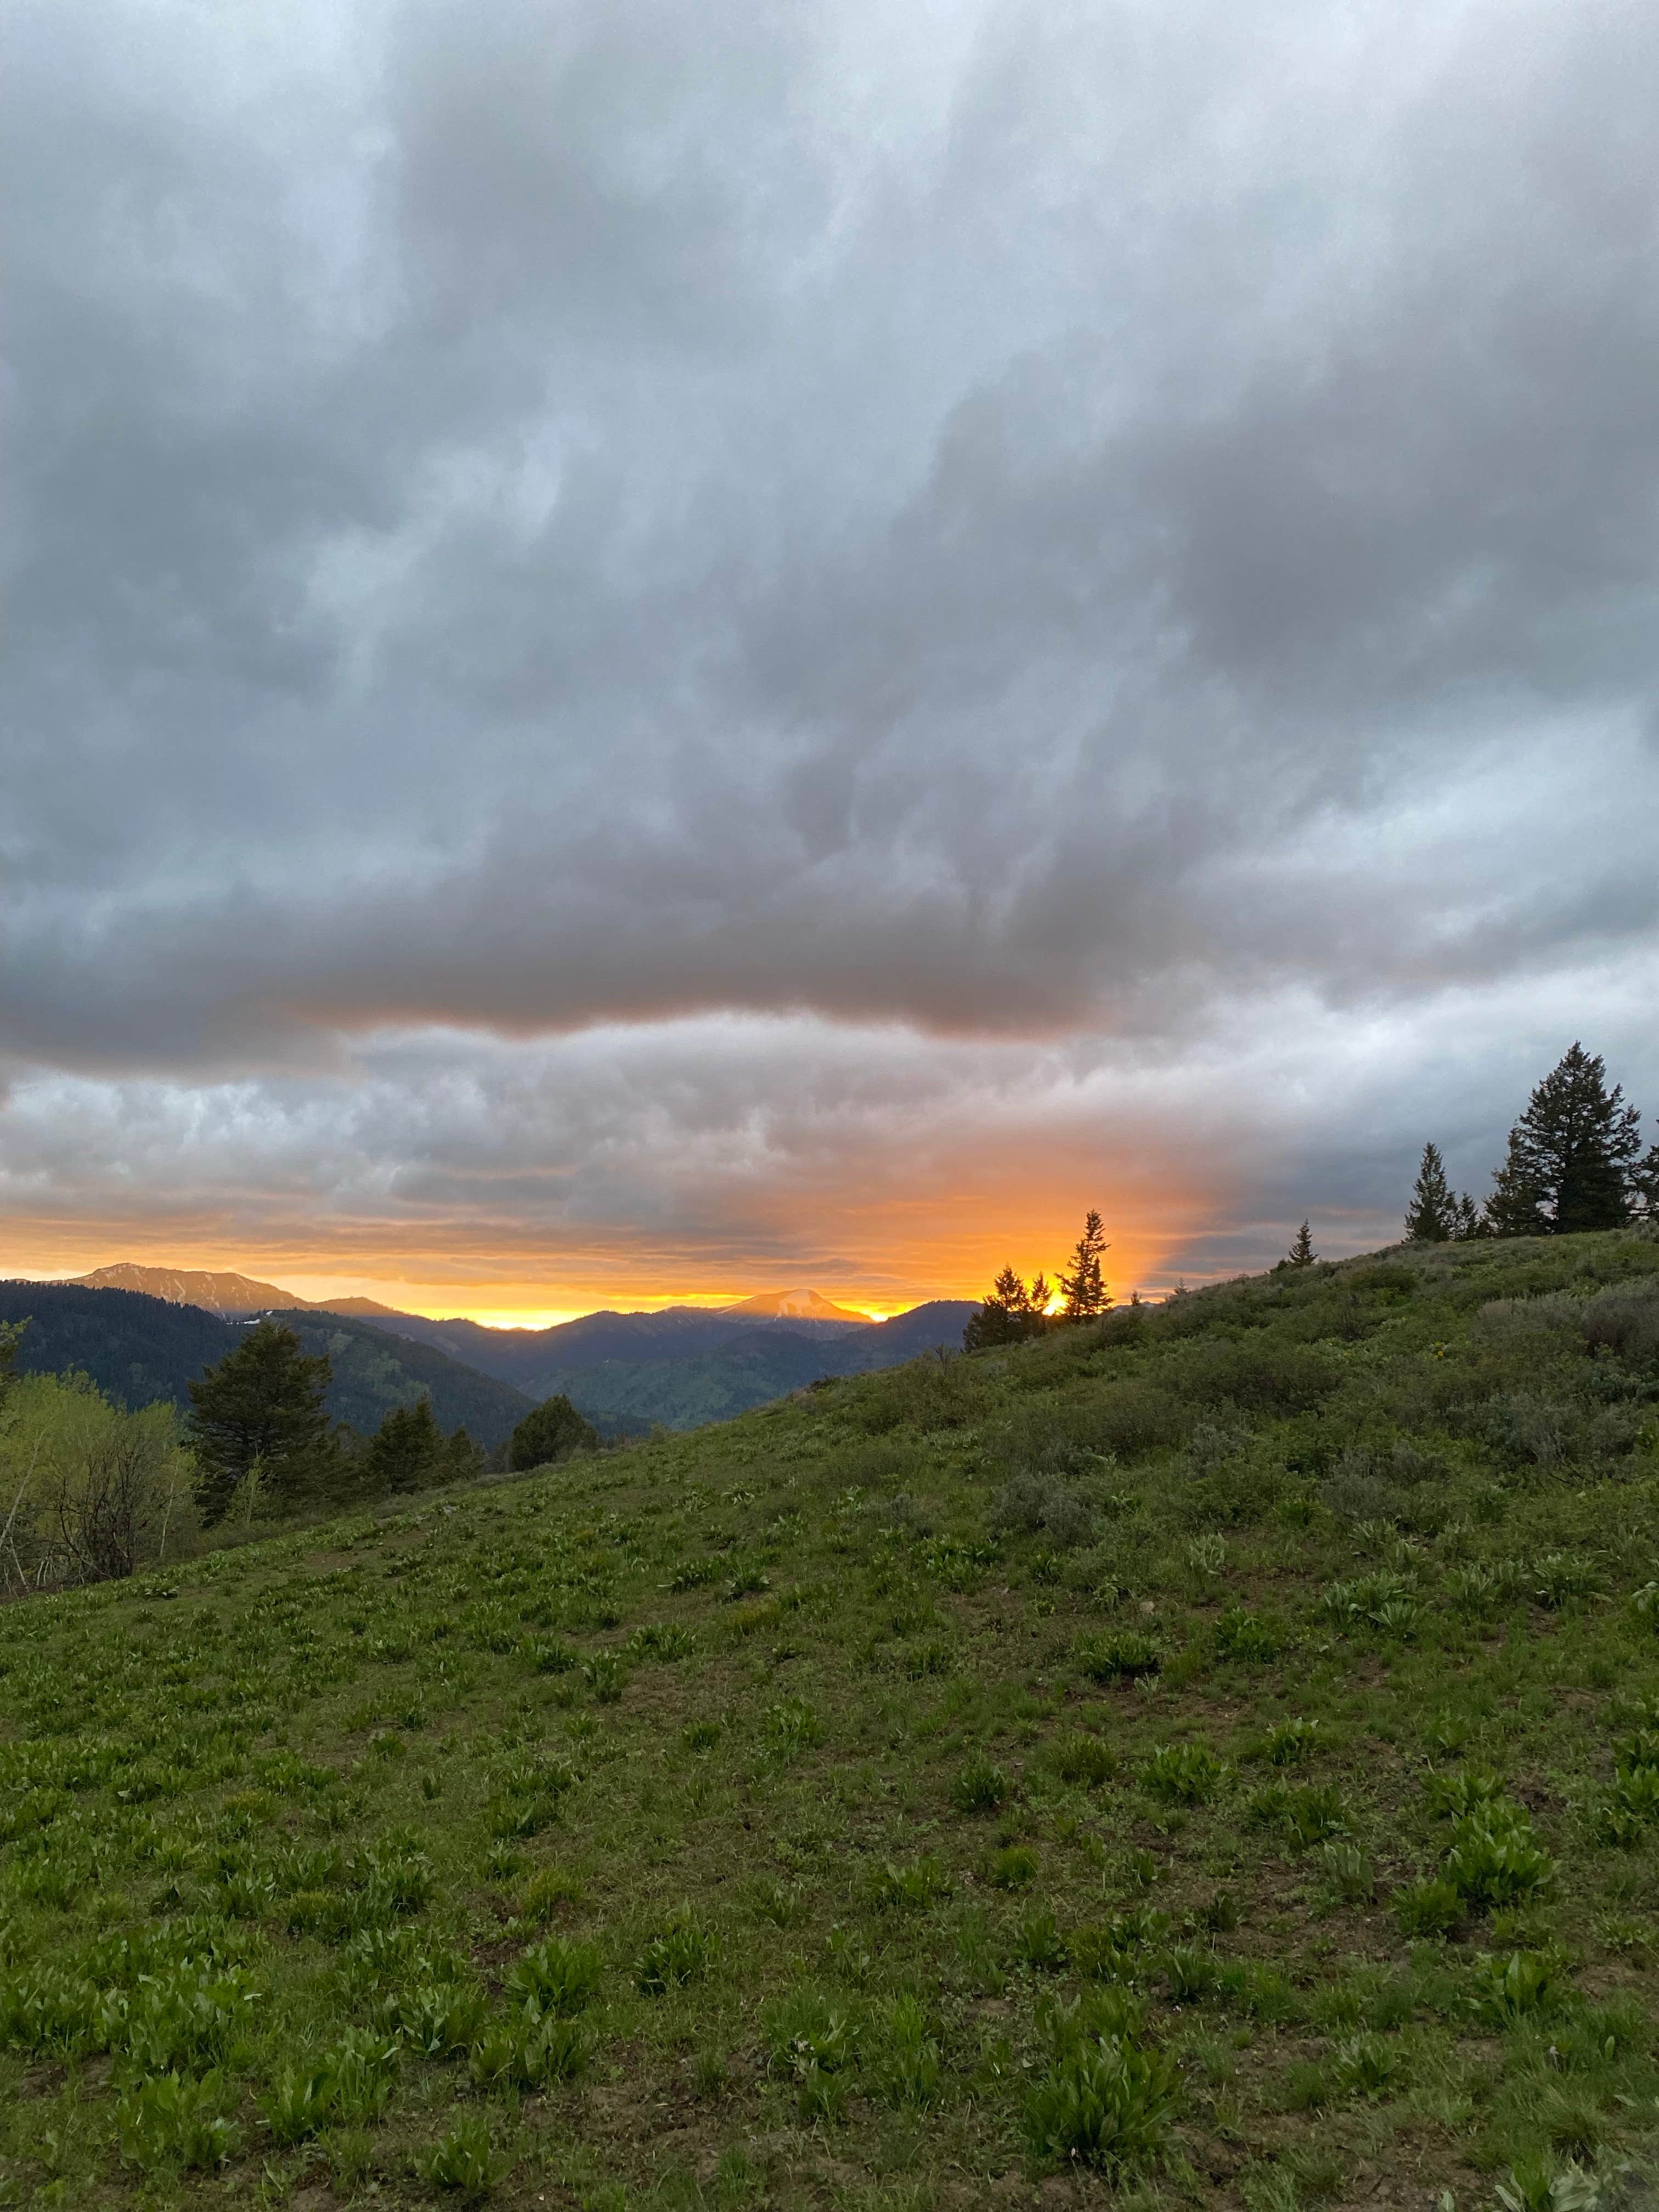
<point x="408" y="1451"/>
<point x="1011" y="1314"/>
<point x="554" y="1431"/>
<point x="1302" y="1253"/>
<point x="260" y="1410"/>
<point x="1429" y="1218"/>
<point x="1084" y="1288"/>
<point x="1572" y="1159"/>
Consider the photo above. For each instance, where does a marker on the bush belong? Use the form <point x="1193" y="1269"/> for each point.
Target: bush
<point x="1041" y="1504"/>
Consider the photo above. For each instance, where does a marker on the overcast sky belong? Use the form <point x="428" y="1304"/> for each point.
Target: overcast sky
<point x="661" y="648"/>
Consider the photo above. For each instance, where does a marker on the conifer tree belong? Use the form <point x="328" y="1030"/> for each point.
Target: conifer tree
<point x="1468" y="1220"/>
<point x="1006" y="1317"/>
<point x="552" y="1432"/>
<point x="1572" y="1159"/>
<point x="1644" y="1185"/>
<point x="1302" y="1253"/>
<point x="261" y="1406"/>
<point x="407" y="1452"/>
<point x="1431" y="1219"/>
<point x="1084" y="1287"/>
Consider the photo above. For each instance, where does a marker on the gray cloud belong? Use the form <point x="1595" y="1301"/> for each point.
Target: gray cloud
<point x="1029" y="524"/>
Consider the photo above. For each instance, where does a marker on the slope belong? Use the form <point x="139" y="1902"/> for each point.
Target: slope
<point x="1213" y="1752"/>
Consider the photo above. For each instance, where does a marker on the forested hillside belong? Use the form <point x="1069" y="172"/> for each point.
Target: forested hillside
<point x="1212" y="1750"/>
<point x="139" y="1350"/>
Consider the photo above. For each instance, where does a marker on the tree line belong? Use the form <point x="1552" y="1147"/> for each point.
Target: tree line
<point x="1574" y="1162"/>
<point x="1014" y="1311"/>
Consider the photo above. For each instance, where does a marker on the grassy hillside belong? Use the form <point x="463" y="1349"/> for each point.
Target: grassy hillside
<point x="1211" y="1756"/>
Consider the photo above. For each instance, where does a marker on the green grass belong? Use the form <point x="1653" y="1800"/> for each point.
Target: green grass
<point x="1212" y="1755"/>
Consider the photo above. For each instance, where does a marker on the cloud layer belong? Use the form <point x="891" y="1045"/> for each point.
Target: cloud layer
<point x="621" y="623"/>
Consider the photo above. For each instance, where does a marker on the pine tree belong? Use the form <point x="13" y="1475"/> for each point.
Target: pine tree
<point x="1572" y="1159"/>
<point x="554" y="1431"/>
<point x="261" y="1406"/>
<point x="1468" y="1220"/>
<point x="1644" y="1185"/>
<point x="1006" y="1317"/>
<point x="1302" y="1253"/>
<point x="407" y="1452"/>
<point x="1431" y="1218"/>
<point x="1084" y="1288"/>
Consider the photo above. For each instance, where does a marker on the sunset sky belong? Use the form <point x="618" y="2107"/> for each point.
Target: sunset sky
<point x="660" y="651"/>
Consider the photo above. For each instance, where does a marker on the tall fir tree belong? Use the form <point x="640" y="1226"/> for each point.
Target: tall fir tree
<point x="1572" y="1161"/>
<point x="261" y="1408"/>
<point x="1431" y="1219"/>
<point x="408" y="1451"/>
<point x="1302" y="1253"/>
<point x="1083" y="1285"/>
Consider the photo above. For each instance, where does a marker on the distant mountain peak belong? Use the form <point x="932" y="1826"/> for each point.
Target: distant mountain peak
<point x="791" y="1305"/>
<point x="217" y="1291"/>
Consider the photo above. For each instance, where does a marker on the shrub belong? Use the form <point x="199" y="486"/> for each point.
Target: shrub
<point x="979" y="1787"/>
<point x="1041" y="1503"/>
<point x="1108" y="2104"/>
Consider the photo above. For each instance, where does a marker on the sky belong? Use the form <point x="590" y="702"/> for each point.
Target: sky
<point x="658" y="652"/>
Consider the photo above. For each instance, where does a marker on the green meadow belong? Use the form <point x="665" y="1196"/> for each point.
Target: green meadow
<point x="1208" y="1755"/>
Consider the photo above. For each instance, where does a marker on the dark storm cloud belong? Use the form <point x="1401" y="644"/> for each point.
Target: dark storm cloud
<point x="1013" y="521"/>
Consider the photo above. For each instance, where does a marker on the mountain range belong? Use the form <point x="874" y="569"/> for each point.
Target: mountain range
<point x="681" y="1366"/>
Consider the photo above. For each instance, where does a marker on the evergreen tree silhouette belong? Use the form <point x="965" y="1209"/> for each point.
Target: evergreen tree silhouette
<point x="1431" y="1219"/>
<point x="1572" y="1159"/>
<point x="1084" y="1288"/>
<point x="1302" y="1253"/>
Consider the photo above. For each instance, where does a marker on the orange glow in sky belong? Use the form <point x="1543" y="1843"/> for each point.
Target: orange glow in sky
<point x="879" y="1248"/>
